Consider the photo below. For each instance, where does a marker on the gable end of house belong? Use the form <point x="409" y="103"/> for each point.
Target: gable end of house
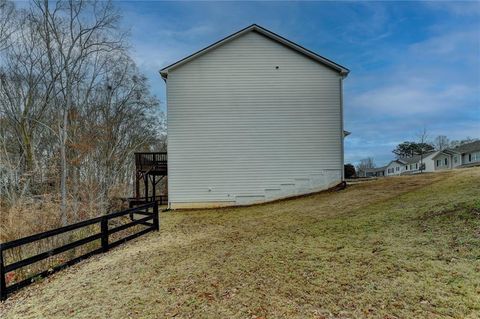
<point x="264" y="32"/>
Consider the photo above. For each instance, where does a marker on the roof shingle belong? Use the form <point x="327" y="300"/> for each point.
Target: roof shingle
<point x="468" y="147"/>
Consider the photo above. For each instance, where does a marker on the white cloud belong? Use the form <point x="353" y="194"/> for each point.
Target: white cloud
<point x="188" y="33"/>
<point x="156" y="55"/>
<point x="460" y="8"/>
<point x="410" y="100"/>
<point x="455" y="45"/>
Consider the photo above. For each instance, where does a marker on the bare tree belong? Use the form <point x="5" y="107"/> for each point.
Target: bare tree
<point x="73" y="109"/>
<point x="73" y="32"/>
<point x="25" y="89"/>
<point x="441" y="142"/>
<point x="456" y="143"/>
<point x="423" y="147"/>
<point x="123" y="112"/>
<point x="364" y="164"/>
<point x="7" y="23"/>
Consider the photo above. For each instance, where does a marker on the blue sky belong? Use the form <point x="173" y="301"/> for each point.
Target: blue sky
<point x="413" y="64"/>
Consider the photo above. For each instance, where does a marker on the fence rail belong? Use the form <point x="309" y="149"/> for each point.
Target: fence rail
<point x="151" y="221"/>
<point x="135" y="201"/>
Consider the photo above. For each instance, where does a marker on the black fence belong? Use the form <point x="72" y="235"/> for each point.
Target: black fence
<point x="151" y="221"/>
<point x="160" y="199"/>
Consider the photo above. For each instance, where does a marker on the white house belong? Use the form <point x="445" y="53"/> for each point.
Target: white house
<point x="470" y="153"/>
<point x="252" y="118"/>
<point x="444" y="160"/>
<point x="461" y="156"/>
<point x="419" y="163"/>
<point x="465" y="155"/>
<point x="393" y="168"/>
<point x="372" y="172"/>
<point x="406" y="165"/>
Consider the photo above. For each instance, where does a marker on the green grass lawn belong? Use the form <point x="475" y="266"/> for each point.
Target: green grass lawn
<point x="400" y="247"/>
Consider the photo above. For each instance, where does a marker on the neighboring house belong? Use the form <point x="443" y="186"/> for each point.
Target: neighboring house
<point x="465" y="155"/>
<point x="251" y="118"/>
<point x="413" y="165"/>
<point x="419" y="163"/>
<point x="444" y="160"/>
<point x="373" y="172"/>
<point x="395" y="167"/>
<point x="470" y="153"/>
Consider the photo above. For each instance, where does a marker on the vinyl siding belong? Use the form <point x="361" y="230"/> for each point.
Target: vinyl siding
<point x="442" y="165"/>
<point x="459" y="160"/>
<point x="475" y="157"/>
<point x="241" y="131"/>
<point x="394" y="165"/>
<point x="429" y="162"/>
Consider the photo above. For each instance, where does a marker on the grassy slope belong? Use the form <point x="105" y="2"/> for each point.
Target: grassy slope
<point x="406" y="247"/>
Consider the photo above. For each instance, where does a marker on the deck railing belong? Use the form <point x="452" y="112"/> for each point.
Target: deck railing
<point x="149" y="160"/>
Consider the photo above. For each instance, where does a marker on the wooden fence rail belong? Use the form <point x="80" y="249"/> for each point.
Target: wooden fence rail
<point x="151" y="221"/>
<point x="160" y="199"/>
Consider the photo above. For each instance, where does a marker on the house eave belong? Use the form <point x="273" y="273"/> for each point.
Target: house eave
<point x="269" y="34"/>
<point x="446" y="152"/>
<point x="163" y="74"/>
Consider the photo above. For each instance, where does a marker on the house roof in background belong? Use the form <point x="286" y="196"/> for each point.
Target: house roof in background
<point x="415" y="158"/>
<point x="445" y="152"/>
<point x="375" y="169"/>
<point x="399" y="161"/>
<point x="269" y="34"/>
<point x="468" y="147"/>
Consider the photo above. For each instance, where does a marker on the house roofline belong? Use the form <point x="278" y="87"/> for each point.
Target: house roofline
<point x="396" y="160"/>
<point x="446" y="152"/>
<point x="269" y="34"/>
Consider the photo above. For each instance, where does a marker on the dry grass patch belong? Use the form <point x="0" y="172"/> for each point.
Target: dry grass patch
<point x="405" y="247"/>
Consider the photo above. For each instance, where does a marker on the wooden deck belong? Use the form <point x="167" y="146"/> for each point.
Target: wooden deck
<point x="151" y="163"/>
<point x="151" y="167"/>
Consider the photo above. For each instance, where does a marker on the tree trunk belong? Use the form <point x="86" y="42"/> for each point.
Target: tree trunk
<point x="63" y="154"/>
<point x="30" y="162"/>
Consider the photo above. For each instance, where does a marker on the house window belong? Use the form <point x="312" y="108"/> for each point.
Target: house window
<point x="455" y="159"/>
<point x="438" y="162"/>
<point x="445" y="161"/>
<point x="476" y="157"/>
<point x="469" y="157"/>
<point x="416" y="165"/>
<point x="406" y="168"/>
<point x="398" y="168"/>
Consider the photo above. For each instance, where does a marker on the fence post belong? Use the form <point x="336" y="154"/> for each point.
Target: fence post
<point x="104" y="229"/>
<point x="156" y="219"/>
<point x="3" y="284"/>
